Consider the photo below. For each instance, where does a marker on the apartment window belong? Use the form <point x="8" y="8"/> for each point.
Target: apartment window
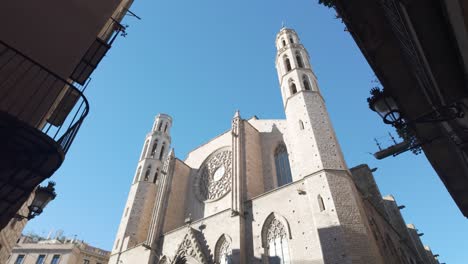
<point x="55" y="259"/>
<point x="85" y="261"/>
<point x="40" y="259"/>
<point x="19" y="259"/>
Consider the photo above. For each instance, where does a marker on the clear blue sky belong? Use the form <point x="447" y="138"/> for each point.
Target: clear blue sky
<point x="199" y="61"/>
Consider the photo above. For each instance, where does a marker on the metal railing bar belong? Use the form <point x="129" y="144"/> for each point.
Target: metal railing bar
<point x="32" y="95"/>
<point x="40" y="103"/>
<point x="8" y="78"/>
<point x="38" y="88"/>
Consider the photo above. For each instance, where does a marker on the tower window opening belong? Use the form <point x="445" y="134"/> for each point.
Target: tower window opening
<point x="292" y="87"/>
<point x="147" y="173"/>
<point x="306" y="83"/>
<point x="284" y="43"/>
<point x="321" y="203"/>
<point x="283" y="169"/>
<point x="165" y="128"/>
<point x="287" y="64"/>
<point x="160" y="126"/>
<point x="291" y="40"/>
<point x="156" y="174"/>
<point x="300" y="62"/>
<point x="153" y="150"/>
<point x="145" y="148"/>
<point x="301" y="125"/>
<point x="162" y="151"/>
<point x="137" y="175"/>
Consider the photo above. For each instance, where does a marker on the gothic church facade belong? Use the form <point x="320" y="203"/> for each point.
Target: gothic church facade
<point x="265" y="191"/>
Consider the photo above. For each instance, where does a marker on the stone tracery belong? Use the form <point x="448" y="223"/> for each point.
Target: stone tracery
<point x="207" y="186"/>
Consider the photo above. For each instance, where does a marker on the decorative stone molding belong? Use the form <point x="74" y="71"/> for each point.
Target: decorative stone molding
<point x="190" y="247"/>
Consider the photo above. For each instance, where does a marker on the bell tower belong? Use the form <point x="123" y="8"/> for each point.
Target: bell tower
<point x="136" y="219"/>
<point x="315" y="156"/>
<point x="313" y="143"/>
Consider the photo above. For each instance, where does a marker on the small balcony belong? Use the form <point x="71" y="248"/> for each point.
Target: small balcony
<point x="40" y="115"/>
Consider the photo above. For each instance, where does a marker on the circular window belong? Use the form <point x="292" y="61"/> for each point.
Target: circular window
<point x="214" y="178"/>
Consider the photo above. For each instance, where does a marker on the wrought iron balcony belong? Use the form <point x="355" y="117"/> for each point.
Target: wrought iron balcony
<point x="40" y="115"/>
<point x="97" y="50"/>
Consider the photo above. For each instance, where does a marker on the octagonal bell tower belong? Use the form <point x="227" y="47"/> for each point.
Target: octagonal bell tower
<point x="315" y="155"/>
<point x="136" y="219"/>
<point x="313" y="144"/>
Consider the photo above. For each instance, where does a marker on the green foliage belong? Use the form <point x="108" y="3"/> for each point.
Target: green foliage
<point x="327" y="3"/>
<point x="407" y="134"/>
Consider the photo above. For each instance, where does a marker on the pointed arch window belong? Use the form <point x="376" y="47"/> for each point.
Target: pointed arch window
<point x="164" y="261"/>
<point x="275" y="241"/>
<point x="300" y="62"/>
<point x="147" y="173"/>
<point x="153" y="150"/>
<point x="292" y="88"/>
<point x="291" y="40"/>
<point x="283" y="169"/>
<point x="137" y="175"/>
<point x="160" y="126"/>
<point x="287" y="64"/>
<point x="284" y="42"/>
<point x="306" y="83"/>
<point x="145" y="148"/>
<point x="165" y="128"/>
<point x="156" y="174"/>
<point x="321" y="204"/>
<point x="161" y="154"/>
<point x="301" y="125"/>
<point x="223" y="251"/>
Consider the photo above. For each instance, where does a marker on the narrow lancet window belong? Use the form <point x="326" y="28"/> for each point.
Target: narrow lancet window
<point x="161" y="154"/>
<point x="283" y="169"/>
<point x="145" y="148"/>
<point x="153" y="150"/>
<point x="287" y="64"/>
<point x="284" y="43"/>
<point x="291" y="40"/>
<point x="300" y="63"/>
<point x="165" y="128"/>
<point x="156" y="174"/>
<point x="292" y="87"/>
<point x="301" y="125"/>
<point x="137" y="175"/>
<point x="321" y="203"/>
<point x="160" y="126"/>
<point x="147" y="173"/>
<point x="305" y="80"/>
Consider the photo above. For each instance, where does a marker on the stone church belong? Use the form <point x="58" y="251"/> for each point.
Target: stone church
<point x="265" y="191"/>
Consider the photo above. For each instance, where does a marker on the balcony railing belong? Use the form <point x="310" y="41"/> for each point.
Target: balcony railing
<point x="97" y="51"/>
<point x="40" y="98"/>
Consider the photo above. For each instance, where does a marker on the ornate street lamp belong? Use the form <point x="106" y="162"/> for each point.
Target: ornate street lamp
<point x="42" y="196"/>
<point x="385" y="106"/>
